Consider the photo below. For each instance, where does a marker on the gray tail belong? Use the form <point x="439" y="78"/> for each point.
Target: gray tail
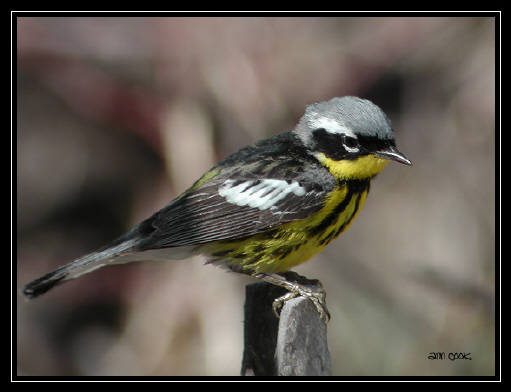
<point x="107" y="255"/>
<point x="46" y="282"/>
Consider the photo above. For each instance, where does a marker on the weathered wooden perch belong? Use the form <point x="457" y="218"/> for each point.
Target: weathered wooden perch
<point x="294" y="345"/>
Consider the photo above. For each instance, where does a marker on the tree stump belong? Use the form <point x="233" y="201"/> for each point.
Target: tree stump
<point x="293" y="345"/>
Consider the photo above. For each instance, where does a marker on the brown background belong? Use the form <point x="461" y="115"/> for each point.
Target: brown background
<point x="118" y="115"/>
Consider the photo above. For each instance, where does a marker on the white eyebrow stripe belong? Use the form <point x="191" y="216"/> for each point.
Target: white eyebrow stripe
<point x="332" y="126"/>
<point x="273" y="191"/>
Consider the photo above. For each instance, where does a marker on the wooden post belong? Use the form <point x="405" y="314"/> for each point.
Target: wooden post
<point x="293" y="345"/>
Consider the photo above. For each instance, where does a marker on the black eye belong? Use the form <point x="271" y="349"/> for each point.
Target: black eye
<point x="351" y="143"/>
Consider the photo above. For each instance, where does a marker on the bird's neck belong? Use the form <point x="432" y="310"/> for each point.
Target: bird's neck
<point x="364" y="167"/>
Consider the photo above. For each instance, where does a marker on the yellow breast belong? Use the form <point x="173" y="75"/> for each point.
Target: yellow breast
<point x="293" y="243"/>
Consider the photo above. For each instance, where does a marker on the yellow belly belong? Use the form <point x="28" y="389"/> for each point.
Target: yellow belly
<point x="293" y="243"/>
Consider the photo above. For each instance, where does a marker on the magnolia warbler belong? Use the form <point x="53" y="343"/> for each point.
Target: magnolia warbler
<point x="268" y="207"/>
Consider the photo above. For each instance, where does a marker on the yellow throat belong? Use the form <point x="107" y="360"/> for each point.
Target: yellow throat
<point x="363" y="167"/>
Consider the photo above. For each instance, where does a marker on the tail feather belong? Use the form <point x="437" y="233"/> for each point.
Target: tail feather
<point x="44" y="283"/>
<point x="79" y="267"/>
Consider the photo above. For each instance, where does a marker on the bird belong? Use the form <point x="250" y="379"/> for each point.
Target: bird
<point x="266" y="208"/>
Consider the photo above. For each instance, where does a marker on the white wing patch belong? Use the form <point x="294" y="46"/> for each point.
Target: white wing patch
<point x="261" y="194"/>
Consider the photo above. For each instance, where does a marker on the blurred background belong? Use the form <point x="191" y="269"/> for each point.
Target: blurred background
<point x="116" y="116"/>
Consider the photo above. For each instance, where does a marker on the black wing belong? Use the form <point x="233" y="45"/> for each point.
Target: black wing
<point x="276" y="184"/>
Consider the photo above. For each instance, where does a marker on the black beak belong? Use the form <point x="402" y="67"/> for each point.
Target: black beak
<point x="393" y="154"/>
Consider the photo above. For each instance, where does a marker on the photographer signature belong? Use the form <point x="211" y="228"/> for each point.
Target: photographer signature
<point x="451" y="356"/>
